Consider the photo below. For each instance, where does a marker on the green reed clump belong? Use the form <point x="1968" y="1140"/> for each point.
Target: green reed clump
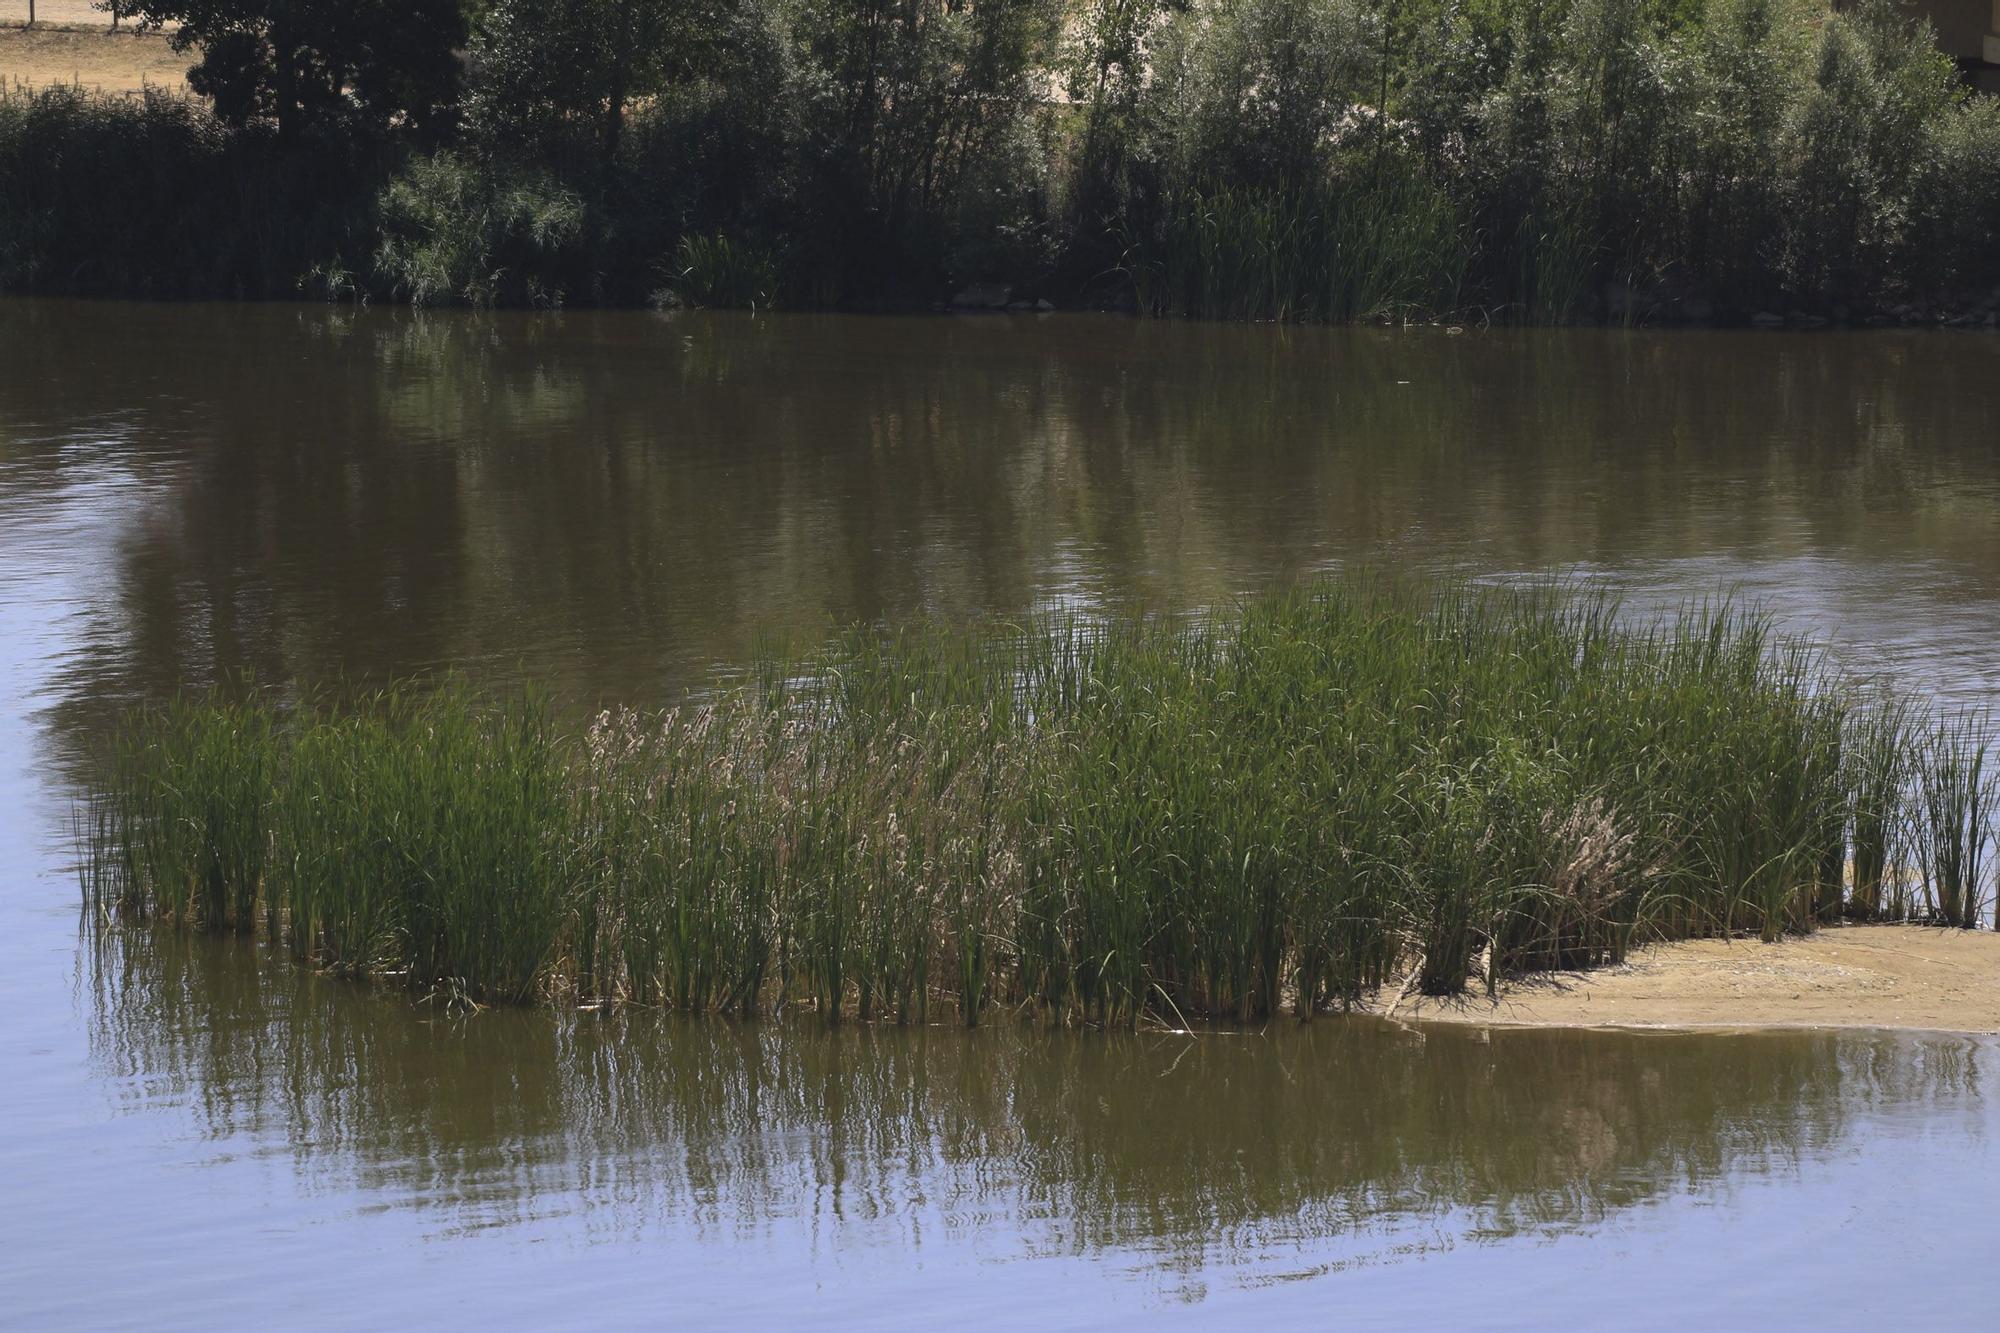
<point x="1332" y="789"/>
<point x="1880" y="763"/>
<point x="182" y="818"/>
<point x="342" y="881"/>
<point x="1955" y="803"/>
<point x="450" y="231"/>
<point x="718" y="273"/>
<point x="419" y="835"/>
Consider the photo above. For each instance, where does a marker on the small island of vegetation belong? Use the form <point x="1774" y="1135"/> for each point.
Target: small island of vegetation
<point x="1354" y="785"/>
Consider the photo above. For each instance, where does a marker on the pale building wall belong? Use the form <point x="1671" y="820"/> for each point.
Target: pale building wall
<point x="1965" y="28"/>
<point x="1969" y="32"/>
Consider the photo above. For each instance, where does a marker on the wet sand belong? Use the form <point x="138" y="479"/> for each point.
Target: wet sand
<point x="1915" y="977"/>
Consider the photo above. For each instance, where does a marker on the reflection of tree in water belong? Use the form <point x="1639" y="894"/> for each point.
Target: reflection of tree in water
<point x="1058" y="1142"/>
<point x="615" y="502"/>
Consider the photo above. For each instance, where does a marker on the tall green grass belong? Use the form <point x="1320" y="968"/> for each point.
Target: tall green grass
<point x="1956" y="798"/>
<point x="717" y="273"/>
<point x="180" y="827"/>
<point x="1325" y="791"/>
<point x="1342" y="251"/>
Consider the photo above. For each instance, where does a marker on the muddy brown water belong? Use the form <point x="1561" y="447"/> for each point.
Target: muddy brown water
<point x="620" y="506"/>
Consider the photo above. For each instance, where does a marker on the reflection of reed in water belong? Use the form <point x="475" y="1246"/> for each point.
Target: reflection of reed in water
<point x="613" y="502"/>
<point x="1195" y="1151"/>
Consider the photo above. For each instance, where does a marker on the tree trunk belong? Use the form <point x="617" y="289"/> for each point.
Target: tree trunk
<point x="620" y="90"/>
<point x="285" y="77"/>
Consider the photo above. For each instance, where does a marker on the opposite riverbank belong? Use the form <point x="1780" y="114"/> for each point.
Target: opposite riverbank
<point x="1876" y="976"/>
<point x="1759" y="163"/>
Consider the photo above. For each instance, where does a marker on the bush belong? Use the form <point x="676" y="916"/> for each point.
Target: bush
<point x="151" y="196"/>
<point x="905" y="109"/>
<point x="1257" y="93"/>
<point x="454" y="233"/>
<point x="1853" y="142"/>
<point x="1954" y="234"/>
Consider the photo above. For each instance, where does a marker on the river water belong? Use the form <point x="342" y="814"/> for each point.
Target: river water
<point x="621" y="506"/>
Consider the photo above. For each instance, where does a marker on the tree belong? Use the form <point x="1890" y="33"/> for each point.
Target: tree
<point x="544" y="64"/>
<point x="913" y="107"/>
<point x="311" y="65"/>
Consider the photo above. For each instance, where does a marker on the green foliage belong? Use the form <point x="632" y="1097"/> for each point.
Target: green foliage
<point x="545" y="65"/>
<point x="1255" y="92"/>
<point x="1954" y="232"/>
<point x="906" y="108"/>
<point x="717" y="273"/>
<point x="1854" y="137"/>
<point x="1334" y="789"/>
<point x="1529" y="160"/>
<point x="1880" y="763"/>
<point x="1956" y="797"/>
<point x="187" y="803"/>
<point x="151" y="196"/>
<point x="1745" y="65"/>
<point x="313" y="65"/>
<point x="1387" y="246"/>
<point x="452" y="233"/>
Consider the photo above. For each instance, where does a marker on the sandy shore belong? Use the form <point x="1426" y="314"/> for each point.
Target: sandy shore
<point x="1849" y="976"/>
<point x="82" y="49"/>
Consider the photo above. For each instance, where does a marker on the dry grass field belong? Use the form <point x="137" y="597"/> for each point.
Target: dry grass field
<point x="73" y="42"/>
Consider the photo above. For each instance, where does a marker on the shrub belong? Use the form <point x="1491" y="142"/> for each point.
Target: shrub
<point x="152" y="196"/>
<point x="1954" y="233"/>
<point x="452" y="232"/>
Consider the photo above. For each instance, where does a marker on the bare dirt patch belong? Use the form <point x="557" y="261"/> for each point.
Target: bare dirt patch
<point x="1850" y="976"/>
<point x="84" y="51"/>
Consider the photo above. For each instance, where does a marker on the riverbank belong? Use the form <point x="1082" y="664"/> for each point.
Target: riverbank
<point x="1884" y="976"/>
<point x="1795" y="170"/>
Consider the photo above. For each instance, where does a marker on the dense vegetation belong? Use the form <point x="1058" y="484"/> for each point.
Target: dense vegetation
<point x="1332" y="159"/>
<point x="1335" y="789"/>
